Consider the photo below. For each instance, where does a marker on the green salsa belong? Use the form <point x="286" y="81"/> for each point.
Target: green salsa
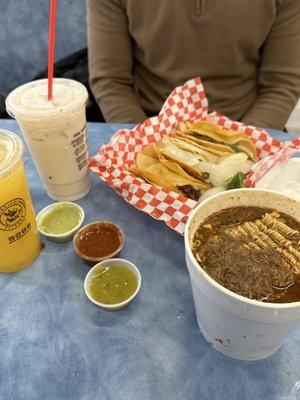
<point x="112" y="285"/>
<point x="60" y="219"/>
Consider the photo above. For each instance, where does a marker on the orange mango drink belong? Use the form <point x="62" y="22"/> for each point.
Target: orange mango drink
<point x="19" y="238"/>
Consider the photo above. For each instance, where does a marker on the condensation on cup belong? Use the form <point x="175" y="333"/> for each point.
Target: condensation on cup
<point x="55" y="132"/>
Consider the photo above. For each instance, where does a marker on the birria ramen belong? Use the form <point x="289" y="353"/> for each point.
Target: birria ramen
<point x="252" y="251"/>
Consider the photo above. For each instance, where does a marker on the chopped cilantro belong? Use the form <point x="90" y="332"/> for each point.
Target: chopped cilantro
<point x="236" y="181"/>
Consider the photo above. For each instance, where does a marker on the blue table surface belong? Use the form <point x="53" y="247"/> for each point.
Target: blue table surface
<point x="56" y="344"/>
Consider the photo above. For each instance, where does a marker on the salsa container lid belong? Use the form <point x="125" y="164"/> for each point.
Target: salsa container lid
<point x="283" y="178"/>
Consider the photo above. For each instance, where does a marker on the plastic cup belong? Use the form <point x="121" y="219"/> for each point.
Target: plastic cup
<point x="112" y="263"/>
<point x="235" y="325"/>
<point x="55" y="132"/>
<point x="19" y="238"/>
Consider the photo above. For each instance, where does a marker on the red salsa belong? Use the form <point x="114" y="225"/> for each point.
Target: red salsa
<point x="99" y="240"/>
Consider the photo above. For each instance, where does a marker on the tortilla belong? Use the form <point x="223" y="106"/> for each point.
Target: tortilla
<point x="213" y="129"/>
<point x="237" y="140"/>
<point x="175" y="167"/>
<point x="150" y="150"/>
<point x="158" y="174"/>
<point x="214" y="148"/>
<point x="143" y="161"/>
<point x="198" y="151"/>
<point x="189" y="169"/>
<point x="201" y="144"/>
<point x="154" y="178"/>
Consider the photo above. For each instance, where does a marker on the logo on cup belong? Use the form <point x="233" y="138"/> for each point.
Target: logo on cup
<point x="12" y="214"/>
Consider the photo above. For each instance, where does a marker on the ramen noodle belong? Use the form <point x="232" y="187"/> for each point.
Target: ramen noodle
<point x="252" y="251"/>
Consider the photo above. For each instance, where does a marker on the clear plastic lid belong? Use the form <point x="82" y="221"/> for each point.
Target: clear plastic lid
<point x="284" y="178"/>
<point x="30" y="101"/>
<point x="11" y="152"/>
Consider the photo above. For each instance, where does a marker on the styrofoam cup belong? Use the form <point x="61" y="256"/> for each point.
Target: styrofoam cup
<point x="235" y="325"/>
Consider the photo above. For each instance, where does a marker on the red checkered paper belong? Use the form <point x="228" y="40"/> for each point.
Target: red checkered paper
<point x="185" y="103"/>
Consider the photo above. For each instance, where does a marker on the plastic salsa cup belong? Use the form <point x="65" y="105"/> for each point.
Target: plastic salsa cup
<point x="98" y="241"/>
<point x="112" y="263"/>
<point x="60" y="221"/>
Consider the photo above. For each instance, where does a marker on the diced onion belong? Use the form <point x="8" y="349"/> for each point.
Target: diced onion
<point x="220" y="173"/>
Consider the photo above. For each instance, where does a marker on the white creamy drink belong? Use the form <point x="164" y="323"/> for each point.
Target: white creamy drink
<point x="55" y="132"/>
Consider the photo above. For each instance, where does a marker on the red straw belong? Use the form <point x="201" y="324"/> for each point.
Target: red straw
<point x="51" y="47"/>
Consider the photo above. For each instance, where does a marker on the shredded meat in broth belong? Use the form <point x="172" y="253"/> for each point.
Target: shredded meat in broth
<point x="253" y="252"/>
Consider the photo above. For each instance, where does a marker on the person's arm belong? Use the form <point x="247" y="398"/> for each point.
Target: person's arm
<point x="111" y="62"/>
<point x="279" y="71"/>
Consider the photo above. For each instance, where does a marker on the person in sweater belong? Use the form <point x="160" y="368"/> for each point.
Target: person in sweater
<point x="247" y="53"/>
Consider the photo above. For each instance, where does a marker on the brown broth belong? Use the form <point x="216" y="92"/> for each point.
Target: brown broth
<point x="252" y="260"/>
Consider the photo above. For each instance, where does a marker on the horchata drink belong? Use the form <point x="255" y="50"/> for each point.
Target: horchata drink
<point x="55" y="132"/>
<point x="19" y="238"/>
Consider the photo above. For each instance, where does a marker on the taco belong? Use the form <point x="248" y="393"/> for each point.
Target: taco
<point x="158" y="174"/>
<point x="166" y="173"/>
<point x="182" y="157"/>
<point x="196" y="158"/>
<point x="209" y="134"/>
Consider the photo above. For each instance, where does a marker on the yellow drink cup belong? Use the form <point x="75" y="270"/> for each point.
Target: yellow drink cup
<point x="19" y="238"/>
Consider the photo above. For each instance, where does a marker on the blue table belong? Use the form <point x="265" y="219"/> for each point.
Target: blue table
<point x="55" y="344"/>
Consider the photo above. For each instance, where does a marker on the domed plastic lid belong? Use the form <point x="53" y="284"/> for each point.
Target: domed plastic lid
<point x="30" y="100"/>
<point x="11" y="151"/>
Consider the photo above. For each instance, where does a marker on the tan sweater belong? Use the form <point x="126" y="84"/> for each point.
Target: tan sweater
<point x="247" y="53"/>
